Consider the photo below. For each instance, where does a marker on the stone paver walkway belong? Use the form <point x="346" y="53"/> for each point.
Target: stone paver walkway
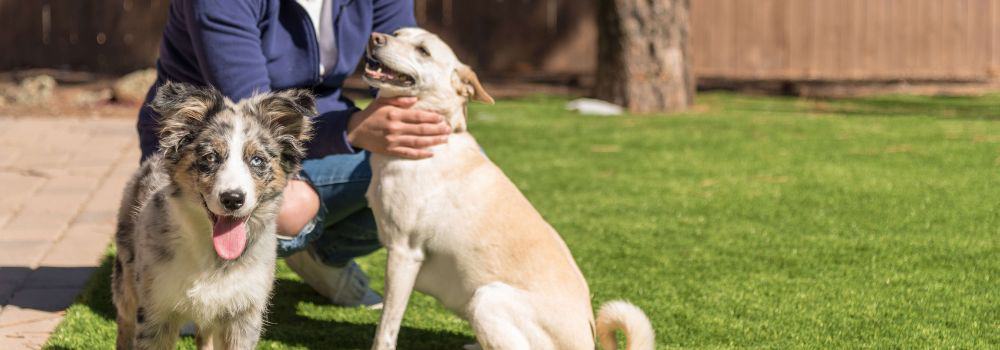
<point x="60" y="182"/>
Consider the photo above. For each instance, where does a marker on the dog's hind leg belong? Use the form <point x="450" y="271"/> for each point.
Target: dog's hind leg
<point x="504" y="320"/>
<point x="400" y="276"/>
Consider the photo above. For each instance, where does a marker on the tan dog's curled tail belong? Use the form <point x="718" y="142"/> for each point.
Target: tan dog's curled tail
<point x="621" y="315"/>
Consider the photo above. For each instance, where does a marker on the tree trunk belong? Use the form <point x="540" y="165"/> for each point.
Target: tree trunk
<point x="643" y="57"/>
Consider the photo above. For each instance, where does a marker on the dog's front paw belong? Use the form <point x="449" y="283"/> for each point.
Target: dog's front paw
<point x="384" y="345"/>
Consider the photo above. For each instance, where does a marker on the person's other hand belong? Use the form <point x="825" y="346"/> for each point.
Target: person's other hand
<point x="387" y="126"/>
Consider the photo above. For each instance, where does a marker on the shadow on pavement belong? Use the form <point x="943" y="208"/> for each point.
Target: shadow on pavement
<point x="52" y="289"/>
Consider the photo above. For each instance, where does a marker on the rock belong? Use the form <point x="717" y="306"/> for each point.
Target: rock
<point x="591" y="106"/>
<point x="132" y="88"/>
<point x="92" y="97"/>
<point x="30" y="91"/>
<point x="7" y="92"/>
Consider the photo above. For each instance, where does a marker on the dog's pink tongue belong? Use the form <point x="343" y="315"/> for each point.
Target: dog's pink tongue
<point x="229" y="236"/>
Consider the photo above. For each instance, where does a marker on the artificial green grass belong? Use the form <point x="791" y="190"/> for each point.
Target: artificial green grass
<point x="748" y="222"/>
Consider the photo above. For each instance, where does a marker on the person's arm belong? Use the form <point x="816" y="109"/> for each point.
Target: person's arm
<point x="329" y="133"/>
<point x="390" y="15"/>
<point x="227" y="44"/>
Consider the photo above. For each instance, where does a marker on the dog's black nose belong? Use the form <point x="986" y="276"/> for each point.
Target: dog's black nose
<point x="378" y="39"/>
<point x="232" y="200"/>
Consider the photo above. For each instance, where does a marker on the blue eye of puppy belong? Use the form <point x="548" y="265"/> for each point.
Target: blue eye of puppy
<point x="256" y="161"/>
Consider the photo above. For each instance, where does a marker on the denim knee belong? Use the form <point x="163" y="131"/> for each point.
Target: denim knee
<point x="343" y="227"/>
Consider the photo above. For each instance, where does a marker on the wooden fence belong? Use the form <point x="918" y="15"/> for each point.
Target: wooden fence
<point x="800" y="40"/>
<point x="113" y="36"/>
<point x="847" y="39"/>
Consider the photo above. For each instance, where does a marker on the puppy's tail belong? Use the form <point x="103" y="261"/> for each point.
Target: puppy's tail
<point x="621" y="315"/>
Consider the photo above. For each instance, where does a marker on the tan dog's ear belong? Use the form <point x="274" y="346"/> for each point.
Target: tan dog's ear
<point x="469" y="85"/>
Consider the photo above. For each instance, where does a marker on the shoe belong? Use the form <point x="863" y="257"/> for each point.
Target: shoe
<point x="344" y="286"/>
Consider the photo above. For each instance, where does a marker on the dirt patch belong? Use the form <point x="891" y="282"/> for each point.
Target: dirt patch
<point x="71" y="94"/>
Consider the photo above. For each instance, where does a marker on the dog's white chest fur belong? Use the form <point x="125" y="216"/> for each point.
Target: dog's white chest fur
<point x="204" y="294"/>
<point x="457" y="229"/>
<point x="197" y="286"/>
<point x="416" y="205"/>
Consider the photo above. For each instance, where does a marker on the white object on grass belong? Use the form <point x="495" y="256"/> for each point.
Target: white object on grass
<point x="592" y="106"/>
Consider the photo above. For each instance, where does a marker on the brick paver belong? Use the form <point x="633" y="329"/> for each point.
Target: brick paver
<point x="60" y="182"/>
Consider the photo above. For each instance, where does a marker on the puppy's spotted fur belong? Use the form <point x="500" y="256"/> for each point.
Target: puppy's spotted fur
<point x="166" y="272"/>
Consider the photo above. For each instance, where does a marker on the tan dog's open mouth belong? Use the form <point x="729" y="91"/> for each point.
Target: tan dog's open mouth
<point x="377" y="72"/>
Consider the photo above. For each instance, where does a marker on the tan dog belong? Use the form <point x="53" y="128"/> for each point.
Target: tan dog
<point x="455" y="227"/>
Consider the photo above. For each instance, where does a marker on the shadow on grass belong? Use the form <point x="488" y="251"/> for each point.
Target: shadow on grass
<point x="290" y="327"/>
<point x="948" y="107"/>
<point x="944" y="107"/>
<point x="286" y="325"/>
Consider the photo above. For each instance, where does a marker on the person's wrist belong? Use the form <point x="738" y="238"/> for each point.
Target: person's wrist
<point x="352" y="125"/>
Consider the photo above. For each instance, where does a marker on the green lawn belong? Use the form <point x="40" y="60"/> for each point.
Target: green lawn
<point x="749" y="222"/>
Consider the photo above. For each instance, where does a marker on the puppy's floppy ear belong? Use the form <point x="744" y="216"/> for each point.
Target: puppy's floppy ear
<point x="183" y="109"/>
<point x="468" y="85"/>
<point x="287" y="114"/>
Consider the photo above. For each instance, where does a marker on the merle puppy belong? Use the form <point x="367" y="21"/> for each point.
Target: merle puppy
<point x="197" y="221"/>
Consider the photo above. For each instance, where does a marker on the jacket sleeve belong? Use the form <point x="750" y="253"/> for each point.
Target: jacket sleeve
<point x="390" y="15"/>
<point x="226" y="41"/>
<point x="330" y="133"/>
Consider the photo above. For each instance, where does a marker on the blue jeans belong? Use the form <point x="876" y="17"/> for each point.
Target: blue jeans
<point x="344" y="227"/>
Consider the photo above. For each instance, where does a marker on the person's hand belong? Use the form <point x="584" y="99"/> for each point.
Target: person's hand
<point x="387" y="126"/>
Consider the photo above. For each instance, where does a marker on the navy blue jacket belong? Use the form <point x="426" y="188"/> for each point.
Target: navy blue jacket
<point x="243" y="46"/>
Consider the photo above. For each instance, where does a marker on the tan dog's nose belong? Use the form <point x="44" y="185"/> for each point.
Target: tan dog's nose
<point x="378" y="39"/>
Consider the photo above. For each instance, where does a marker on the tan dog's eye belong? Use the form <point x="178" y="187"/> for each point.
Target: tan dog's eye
<point x="423" y="51"/>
